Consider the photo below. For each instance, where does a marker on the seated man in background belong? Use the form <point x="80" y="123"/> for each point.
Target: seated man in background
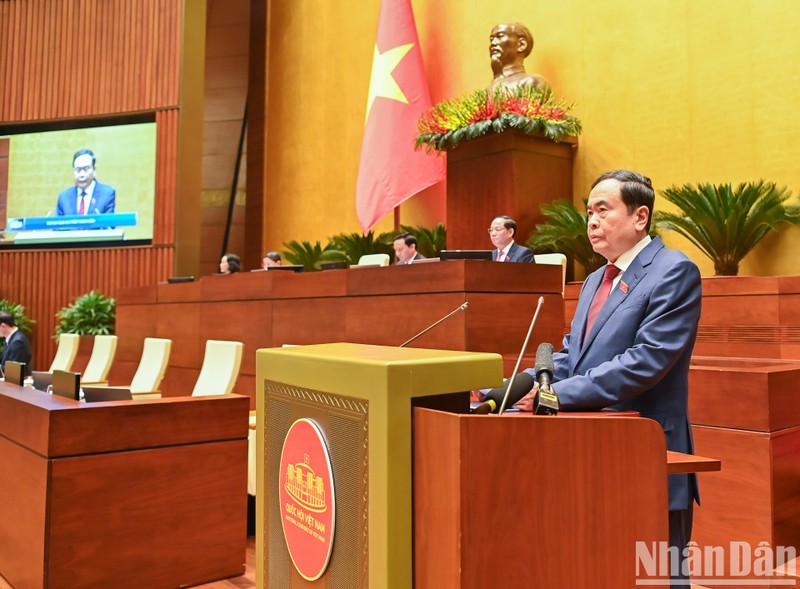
<point x="405" y="249"/>
<point x="17" y="347"/>
<point x="88" y="196"/>
<point x="502" y="232"/>
<point x="271" y="259"/>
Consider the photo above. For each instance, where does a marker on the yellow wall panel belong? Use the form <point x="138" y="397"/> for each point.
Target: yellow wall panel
<point x="681" y="90"/>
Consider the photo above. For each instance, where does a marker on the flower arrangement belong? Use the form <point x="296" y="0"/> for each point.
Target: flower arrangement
<point x="497" y="109"/>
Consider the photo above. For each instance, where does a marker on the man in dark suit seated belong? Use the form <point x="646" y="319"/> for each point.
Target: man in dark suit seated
<point x="88" y="196"/>
<point x="17" y="347"/>
<point x="502" y="232"/>
<point x="405" y="249"/>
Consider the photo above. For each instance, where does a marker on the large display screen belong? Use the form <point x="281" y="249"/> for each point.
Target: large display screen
<point x="104" y="195"/>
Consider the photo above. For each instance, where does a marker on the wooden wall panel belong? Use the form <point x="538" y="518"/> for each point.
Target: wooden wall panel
<point x="46" y="280"/>
<point x="82" y="58"/>
<point x="166" y="176"/>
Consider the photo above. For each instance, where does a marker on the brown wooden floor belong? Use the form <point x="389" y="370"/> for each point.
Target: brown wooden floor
<point x="245" y="581"/>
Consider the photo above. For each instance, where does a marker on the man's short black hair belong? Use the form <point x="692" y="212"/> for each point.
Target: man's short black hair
<point x="7" y="318"/>
<point x="407" y="238"/>
<point x="274" y="256"/>
<point x="81" y="152"/>
<point x="636" y="190"/>
<point x="508" y="223"/>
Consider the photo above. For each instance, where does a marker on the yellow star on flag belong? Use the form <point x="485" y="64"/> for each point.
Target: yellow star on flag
<point x="381" y="81"/>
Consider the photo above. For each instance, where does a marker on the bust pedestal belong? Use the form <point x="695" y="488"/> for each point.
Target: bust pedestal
<point x="507" y="173"/>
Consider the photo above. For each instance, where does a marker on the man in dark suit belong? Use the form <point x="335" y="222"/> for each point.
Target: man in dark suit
<point x="17" y="347"/>
<point x="631" y="350"/>
<point x="502" y="232"/>
<point x="88" y="196"/>
<point x="405" y="250"/>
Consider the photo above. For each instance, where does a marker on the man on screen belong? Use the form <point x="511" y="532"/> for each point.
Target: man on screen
<point x="88" y="196"/>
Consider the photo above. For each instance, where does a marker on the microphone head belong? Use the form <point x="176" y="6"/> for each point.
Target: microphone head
<point x="544" y="358"/>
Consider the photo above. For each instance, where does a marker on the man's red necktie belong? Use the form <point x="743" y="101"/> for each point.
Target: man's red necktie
<point x="82" y="208"/>
<point x="600" y="297"/>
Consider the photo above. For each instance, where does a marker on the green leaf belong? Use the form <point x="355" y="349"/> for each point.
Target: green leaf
<point x="90" y="314"/>
<point x="726" y="223"/>
<point x="565" y="232"/>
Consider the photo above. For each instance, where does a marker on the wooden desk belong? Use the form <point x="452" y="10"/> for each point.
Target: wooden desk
<point x="381" y="306"/>
<point x="121" y="494"/>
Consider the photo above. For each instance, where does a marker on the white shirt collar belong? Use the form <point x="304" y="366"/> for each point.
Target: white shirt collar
<point x="89" y="189"/>
<point x="627" y="258"/>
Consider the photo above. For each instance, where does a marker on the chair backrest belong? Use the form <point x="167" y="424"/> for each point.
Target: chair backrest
<point x="554" y="259"/>
<point x="67" y="350"/>
<point x="103" y="351"/>
<point x="374" y="260"/>
<point x="220" y="368"/>
<point x="152" y="366"/>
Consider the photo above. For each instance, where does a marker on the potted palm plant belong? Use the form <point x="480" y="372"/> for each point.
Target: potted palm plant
<point x="726" y="223"/>
<point x="565" y="232"/>
<point x="92" y="313"/>
<point x="309" y="255"/>
<point x="88" y="315"/>
<point x="355" y="245"/>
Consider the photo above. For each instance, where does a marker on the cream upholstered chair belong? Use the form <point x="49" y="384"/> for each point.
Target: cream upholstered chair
<point x="220" y="368"/>
<point x="152" y="367"/>
<point x="67" y="350"/>
<point x="554" y="259"/>
<point x="103" y="351"/>
<point x="374" y="260"/>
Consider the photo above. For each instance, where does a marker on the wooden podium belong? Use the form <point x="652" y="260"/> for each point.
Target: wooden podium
<point x="526" y="501"/>
<point x="125" y="494"/>
<point x="361" y="398"/>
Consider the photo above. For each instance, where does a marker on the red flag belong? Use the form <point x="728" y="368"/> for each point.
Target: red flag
<point x="390" y="170"/>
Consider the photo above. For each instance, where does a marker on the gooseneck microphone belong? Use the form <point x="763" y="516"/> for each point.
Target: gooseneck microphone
<point x="546" y="400"/>
<point x="462" y="307"/>
<point x="515" y="387"/>
<point x="519" y="358"/>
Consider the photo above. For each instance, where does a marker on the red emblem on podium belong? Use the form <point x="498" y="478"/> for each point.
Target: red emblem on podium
<point x="308" y="505"/>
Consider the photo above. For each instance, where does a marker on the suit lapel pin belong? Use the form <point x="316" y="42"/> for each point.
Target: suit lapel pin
<point x="623" y="287"/>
